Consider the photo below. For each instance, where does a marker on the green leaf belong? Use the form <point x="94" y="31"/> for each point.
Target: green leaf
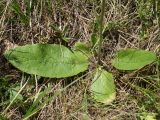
<point x="14" y="92"/>
<point x="61" y="33"/>
<point x="103" y="87"/>
<point x="94" y="36"/>
<point x="83" y="48"/>
<point x="132" y="59"/>
<point x="148" y="116"/>
<point x="94" y="39"/>
<point x="47" y="60"/>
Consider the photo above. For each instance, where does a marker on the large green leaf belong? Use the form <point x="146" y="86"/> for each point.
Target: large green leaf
<point x="103" y="87"/>
<point x="47" y="60"/>
<point x="132" y="59"/>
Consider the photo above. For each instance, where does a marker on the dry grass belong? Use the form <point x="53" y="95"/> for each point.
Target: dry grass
<point x="78" y="17"/>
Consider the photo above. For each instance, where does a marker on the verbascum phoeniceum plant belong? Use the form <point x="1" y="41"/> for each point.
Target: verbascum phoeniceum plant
<point x="58" y="61"/>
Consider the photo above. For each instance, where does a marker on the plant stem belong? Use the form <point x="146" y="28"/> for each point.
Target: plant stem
<point x="101" y="30"/>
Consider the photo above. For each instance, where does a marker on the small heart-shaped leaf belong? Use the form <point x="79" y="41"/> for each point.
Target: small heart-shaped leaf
<point x="103" y="87"/>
